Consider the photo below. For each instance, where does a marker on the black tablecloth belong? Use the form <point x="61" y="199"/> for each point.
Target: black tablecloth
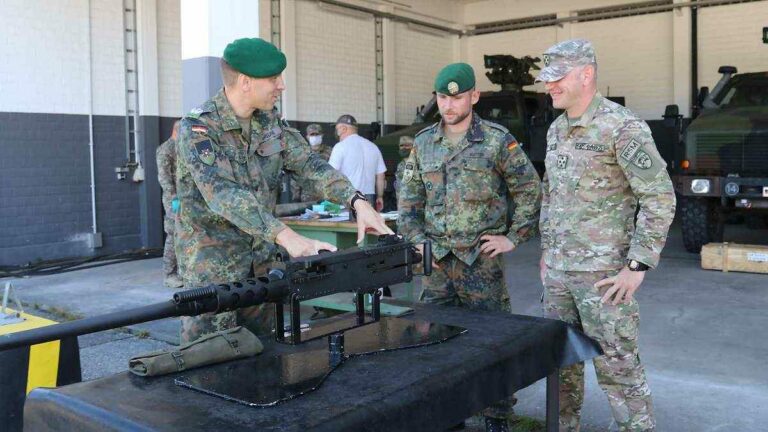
<point x="427" y="388"/>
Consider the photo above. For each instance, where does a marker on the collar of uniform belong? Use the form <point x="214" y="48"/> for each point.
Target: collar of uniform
<point x="474" y="133"/>
<point x="589" y="114"/>
<point x="226" y="113"/>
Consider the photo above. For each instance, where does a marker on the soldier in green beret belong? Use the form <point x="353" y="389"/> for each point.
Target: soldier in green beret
<point x="602" y="166"/>
<point x="231" y="150"/>
<point x="455" y="189"/>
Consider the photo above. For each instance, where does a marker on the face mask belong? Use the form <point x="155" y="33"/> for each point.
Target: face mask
<point x="405" y="152"/>
<point x="315" y="140"/>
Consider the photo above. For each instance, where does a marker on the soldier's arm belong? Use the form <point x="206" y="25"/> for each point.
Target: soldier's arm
<point x="198" y="153"/>
<point x="524" y="190"/>
<point x="647" y="175"/>
<point x="166" y="165"/>
<point x="544" y="216"/>
<point x="313" y="171"/>
<point x="411" y="197"/>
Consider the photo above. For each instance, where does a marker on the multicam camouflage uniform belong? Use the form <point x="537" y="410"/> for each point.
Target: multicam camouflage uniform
<point x="598" y="167"/>
<point x="303" y="193"/>
<point x="452" y="195"/>
<point x="166" y="176"/>
<point x="227" y="188"/>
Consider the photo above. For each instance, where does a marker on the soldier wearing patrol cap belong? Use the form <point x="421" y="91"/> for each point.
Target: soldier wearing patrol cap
<point x="454" y="192"/>
<point x="231" y="151"/>
<point x="601" y="162"/>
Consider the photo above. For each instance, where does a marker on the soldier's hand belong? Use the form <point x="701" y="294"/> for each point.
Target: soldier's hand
<point x="621" y="287"/>
<point x="420" y="248"/>
<point x="495" y="244"/>
<point x="298" y="246"/>
<point x="367" y="218"/>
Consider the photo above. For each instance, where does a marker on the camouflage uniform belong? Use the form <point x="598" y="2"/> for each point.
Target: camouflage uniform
<point x="227" y="187"/>
<point x="598" y="167"/>
<point x="452" y="195"/>
<point x="166" y="176"/>
<point x="303" y="193"/>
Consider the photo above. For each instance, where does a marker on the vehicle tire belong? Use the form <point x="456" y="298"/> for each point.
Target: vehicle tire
<point x="702" y="222"/>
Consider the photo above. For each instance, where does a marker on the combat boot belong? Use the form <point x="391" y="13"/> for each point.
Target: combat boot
<point x="493" y="424"/>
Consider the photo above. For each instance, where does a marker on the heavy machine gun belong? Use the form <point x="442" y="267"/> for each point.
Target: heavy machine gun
<point x="510" y="72"/>
<point x="362" y="270"/>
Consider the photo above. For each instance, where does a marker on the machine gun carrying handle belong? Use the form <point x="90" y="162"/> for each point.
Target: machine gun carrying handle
<point x="427" y="258"/>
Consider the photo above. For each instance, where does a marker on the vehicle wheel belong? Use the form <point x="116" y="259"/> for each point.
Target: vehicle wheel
<point x="702" y="222"/>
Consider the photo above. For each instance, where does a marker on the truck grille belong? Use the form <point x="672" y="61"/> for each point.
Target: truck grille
<point x="732" y="154"/>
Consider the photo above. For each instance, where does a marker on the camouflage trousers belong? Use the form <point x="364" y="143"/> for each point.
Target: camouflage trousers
<point x="258" y="319"/>
<point x="479" y="286"/>
<point x="572" y="297"/>
<point x="170" y="265"/>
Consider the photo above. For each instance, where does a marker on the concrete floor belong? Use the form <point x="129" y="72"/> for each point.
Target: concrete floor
<point x="702" y="333"/>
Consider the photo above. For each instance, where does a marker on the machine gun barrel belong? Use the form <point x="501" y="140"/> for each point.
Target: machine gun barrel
<point x="362" y="270"/>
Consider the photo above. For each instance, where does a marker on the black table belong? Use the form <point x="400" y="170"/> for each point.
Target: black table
<point x="427" y="388"/>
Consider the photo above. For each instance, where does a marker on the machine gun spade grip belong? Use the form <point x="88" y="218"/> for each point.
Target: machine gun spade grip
<point x="427" y="258"/>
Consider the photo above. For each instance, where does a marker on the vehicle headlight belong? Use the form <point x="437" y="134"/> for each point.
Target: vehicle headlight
<point x="700" y="186"/>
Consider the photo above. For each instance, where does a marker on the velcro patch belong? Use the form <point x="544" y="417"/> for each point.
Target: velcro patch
<point x="205" y="152"/>
<point x="629" y="151"/>
<point x="512" y="144"/>
<point x="642" y="160"/>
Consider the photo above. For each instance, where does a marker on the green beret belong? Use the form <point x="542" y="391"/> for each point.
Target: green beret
<point x="255" y="57"/>
<point x="455" y="78"/>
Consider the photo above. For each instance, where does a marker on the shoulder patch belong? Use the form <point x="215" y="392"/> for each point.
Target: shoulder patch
<point x="205" y="152"/>
<point x="511" y="141"/>
<point x="408" y="171"/>
<point x="629" y="151"/>
<point x="198" y="128"/>
<point x="426" y="129"/>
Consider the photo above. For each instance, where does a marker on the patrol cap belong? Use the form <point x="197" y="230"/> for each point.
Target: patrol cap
<point x="406" y="140"/>
<point x="314" y="128"/>
<point x="255" y="57"/>
<point x="347" y="119"/>
<point x="560" y="58"/>
<point x="454" y="79"/>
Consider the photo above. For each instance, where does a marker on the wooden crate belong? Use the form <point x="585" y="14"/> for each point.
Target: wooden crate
<point x="735" y="257"/>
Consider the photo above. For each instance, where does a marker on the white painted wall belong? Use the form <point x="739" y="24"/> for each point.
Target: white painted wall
<point x="418" y="56"/>
<point x="732" y="35"/>
<point x="45" y="51"/>
<point x="484" y="11"/>
<point x="335" y="64"/>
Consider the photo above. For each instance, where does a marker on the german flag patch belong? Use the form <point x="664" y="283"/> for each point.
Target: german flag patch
<point x="200" y="129"/>
<point x="512" y="144"/>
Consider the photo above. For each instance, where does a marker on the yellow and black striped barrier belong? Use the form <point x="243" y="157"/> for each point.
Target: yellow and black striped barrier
<point x="22" y="369"/>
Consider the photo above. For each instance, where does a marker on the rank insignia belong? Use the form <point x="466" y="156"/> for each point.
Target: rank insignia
<point x="453" y="87"/>
<point x="546" y="60"/>
<point x="562" y="161"/>
<point x="205" y="152"/>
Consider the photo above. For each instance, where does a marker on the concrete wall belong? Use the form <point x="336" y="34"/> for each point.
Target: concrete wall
<point x="45" y="186"/>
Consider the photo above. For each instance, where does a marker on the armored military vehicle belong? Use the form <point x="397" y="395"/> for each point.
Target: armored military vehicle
<point x="723" y="161"/>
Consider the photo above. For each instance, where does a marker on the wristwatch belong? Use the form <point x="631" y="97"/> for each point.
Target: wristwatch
<point x="358" y="195"/>
<point x="635" y="265"/>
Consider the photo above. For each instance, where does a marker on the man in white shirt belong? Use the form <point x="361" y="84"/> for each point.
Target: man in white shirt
<point x="359" y="160"/>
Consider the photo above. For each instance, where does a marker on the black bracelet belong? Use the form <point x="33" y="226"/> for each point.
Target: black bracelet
<point x="358" y="195"/>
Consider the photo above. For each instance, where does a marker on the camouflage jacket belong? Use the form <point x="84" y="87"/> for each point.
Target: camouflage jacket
<point x="598" y="167"/>
<point x="301" y="192"/>
<point x="399" y="175"/>
<point x="452" y="197"/>
<point x="227" y="188"/>
<point x="166" y="172"/>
